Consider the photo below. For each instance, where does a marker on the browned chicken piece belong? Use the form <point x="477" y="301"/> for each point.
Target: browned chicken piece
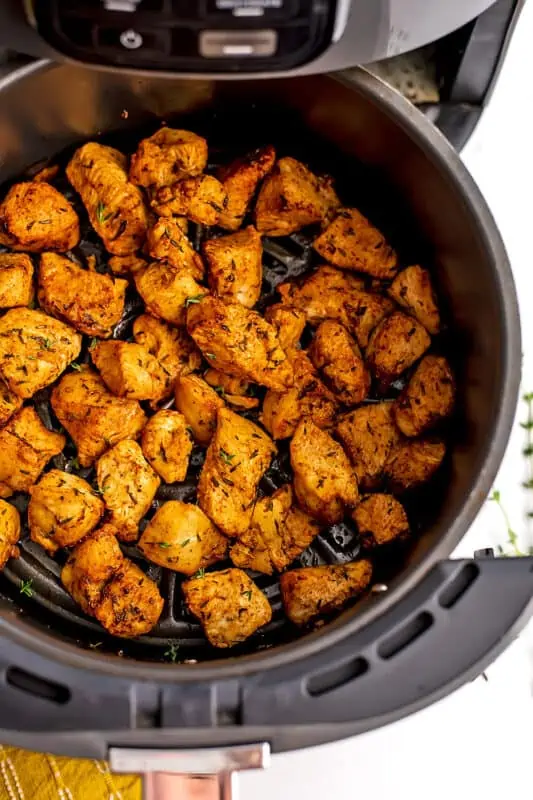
<point x="16" y="280"/>
<point x="128" y="485"/>
<point x="427" y="399"/>
<point x="235" y="268"/>
<point x="90" y="302"/>
<point x="9" y="403"/>
<point x="167" y="445"/>
<point x="63" y="509"/>
<point x="236" y="460"/>
<point x="9" y="532"/>
<point x="412" y="463"/>
<point x="240" y="180"/>
<point x="26" y="447"/>
<point x="169" y="155"/>
<point x="115" y="206"/>
<point x="167" y="242"/>
<point x="34" y="216"/>
<point x="292" y="197"/>
<point x="312" y="591"/>
<point x="199" y="404"/>
<point x="34" y="350"/>
<point x="412" y="289"/>
<point x="394" y="345"/>
<point x="368" y="435"/>
<point x="47" y="173"/>
<point x="226" y="383"/>
<point x="228" y="604"/>
<point x="279" y="533"/>
<point x="239" y="342"/>
<point x="126" y="265"/>
<point x="324" y="480"/>
<point x="308" y="398"/>
<point x="180" y="537"/>
<point x="94" y="418"/>
<point x="166" y="289"/>
<point x="352" y="242"/>
<point x="380" y="520"/>
<point x="199" y="199"/>
<point x="336" y="354"/>
<point x="129" y="370"/>
<point x="289" y="322"/>
<point x="91" y="567"/>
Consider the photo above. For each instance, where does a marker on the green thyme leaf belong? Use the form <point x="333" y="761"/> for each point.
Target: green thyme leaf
<point x="26" y="587"/>
<point x="172" y="652"/>
<point x="227" y="458"/>
<point x="195" y="299"/>
<point x="76" y="366"/>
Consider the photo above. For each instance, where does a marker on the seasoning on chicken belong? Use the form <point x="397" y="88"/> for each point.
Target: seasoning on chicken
<point x="412" y="463"/>
<point x="292" y="197"/>
<point x="16" y="280"/>
<point x="368" y="435"/>
<point x="63" y="509"/>
<point x="167" y="242"/>
<point x="312" y="591"/>
<point x="115" y="206"/>
<point x="228" y="604"/>
<point x="226" y="384"/>
<point x="9" y="532"/>
<point x="412" y="289"/>
<point x="337" y="356"/>
<point x="34" y="216"/>
<point x="427" y="399"/>
<point x="94" y="418"/>
<point x="381" y="520"/>
<point x="180" y="537"/>
<point x="129" y="370"/>
<point x="200" y="199"/>
<point x="168" y="156"/>
<point x="395" y="344"/>
<point x="199" y="404"/>
<point x="128" y="485"/>
<point x="34" y="350"/>
<point x="235" y="267"/>
<point x="26" y="447"/>
<point x="236" y="460"/>
<point x="239" y="342"/>
<point x="289" y="322"/>
<point x="166" y="289"/>
<point x="240" y="180"/>
<point x="126" y="265"/>
<point x="167" y="445"/>
<point x="90" y="302"/>
<point x="9" y="403"/>
<point x="324" y="480"/>
<point x="91" y="567"/>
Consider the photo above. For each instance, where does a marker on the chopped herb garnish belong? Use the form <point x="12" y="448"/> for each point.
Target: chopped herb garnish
<point x="199" y="574"/>
<point x="47" y="344"/>
<point x="26" y="587"/>
<point x="185" y="542"/>
<point x="75" y="462"/>
<point x="93" y="343"/>
<point x="76" y="366"/>
<point x="212" y="356"/>
<point x="227" y="458"/>
<point x="220" y="390"/>
<point x="172" y="652"/>
<point x="195" y="299"/>
<point x="164" y="545"/>
<point x="247" y="594"/>
<point x="101" y="216"/>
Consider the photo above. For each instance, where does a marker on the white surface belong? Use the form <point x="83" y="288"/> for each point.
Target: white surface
<point x="477" y="742"/>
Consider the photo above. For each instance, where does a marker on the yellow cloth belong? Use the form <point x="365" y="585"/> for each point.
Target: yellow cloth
<point x="37" y="776"/>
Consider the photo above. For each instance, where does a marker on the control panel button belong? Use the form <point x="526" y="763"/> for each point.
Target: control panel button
<point x="253" y="9"/>
<point x="238" y="44"/>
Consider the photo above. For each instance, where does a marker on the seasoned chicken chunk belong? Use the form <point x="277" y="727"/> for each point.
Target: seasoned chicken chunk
<point x="115" y="206"/>
<point x="165" y="290"/>
<point x="34" y="350"/>
<point x="91" y="567"/>
<point x="239" y="342"/>
<point x="412" y="289"/>
<point x="324" y="480"/>
<point x="94" y="418"/>
<point x="240" y="180"/>
<point x="169" y="155"/>
<point x="9" y="532"/>
<point x="289" y="322"/>
<point x="90" y="302"/>
<point x="129" y="370"/>
<point x="427" y="399"/>
<point x="337" y="356"/>
<point x="199" y="404"/>
<point x="26" y="447"/>
<point x="180" y="537"/>
<point x="368" y="435"/>
<point x="9" y="403"/>
<point x="166" y="241"/>
<point x="226" y="384"/>
<point x="412" y="463"/>
<point x="311" y="591"/>
<point x="380" y="520"/>
<point x="16" y="280"/>
<point x="200" y="199"/>
<point x="395" y="344"/>
<point x="167" y="445"/>
<point x="236" y="460"/>
<point x="128" y="485"/>
<point x="228" y="604"/>
<point x="34" y="216"/>
<point x="235" y="267"/>
<point x="126" y="265"/>
<point x="292" y="197"/>
<point x="63" y="509"/>
<point x="352" y="242"/>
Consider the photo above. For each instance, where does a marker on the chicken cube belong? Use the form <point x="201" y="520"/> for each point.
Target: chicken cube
<point x="129" y="370"/>
<point x="91" y="566"/>
<point x="235" y="266"/>
<point x="166" y="241"/>
<point x="412" y="289"/>
<point x="289" y="322"/>
<point x="240" y="180"/>
<point x="324" y="480"/>
<point x="381" y="520"/>
<point x="334" y="352"/>
<point x="34" y="216"/>
<point x="126" y="265"/>
<point x="16" y="280"/>
<point x="180" y="537"/>
<point x="228" y="604"/>
<point x="63" y="509"/>
<point x="312" y="591"/>
<point x="9" y="532"/>
<point x="199" y="404"/>
<point x="26" y="447"/>
<point x="394" y="345"/>
<point x="427" y="399"/>
<point x="9" y="403"/>
<point x="413" y="463"/>
<point x="200" y="199"/>
<point x="167" y="445"/>
<point x="165" y="290"/>
<point x="90" y="302"/>
<point x="169" y="155"/>
<point x="236" y="460"/>
<point x="94" y="418"/>
<point x="368" y="435"/>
